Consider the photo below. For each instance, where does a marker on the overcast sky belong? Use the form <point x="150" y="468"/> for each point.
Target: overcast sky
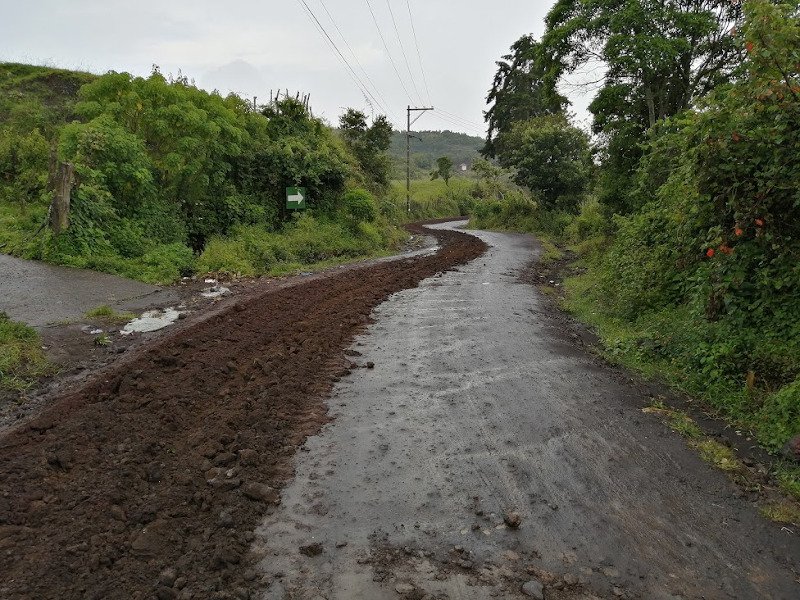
<point x="250" y="47"/>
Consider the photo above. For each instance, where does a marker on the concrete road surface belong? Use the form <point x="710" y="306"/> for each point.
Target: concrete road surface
<point x="478" y="405"/>
<point x="41" y="294"/>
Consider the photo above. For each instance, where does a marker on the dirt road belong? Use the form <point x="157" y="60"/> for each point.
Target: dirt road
<point x="170" y="475"/>
<point x="148" y="479"/>
<point x="478" y="405"/>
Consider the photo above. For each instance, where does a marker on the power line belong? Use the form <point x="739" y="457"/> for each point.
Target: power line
<point x="460" y="126"/>
<point x="386" y="47"/>
<point x="403" y="51"/>
<point x="351" y="71"/>
<point x="419" y="55"/>
<point x="460" y="121"/>
<point x="354" y="55"/>
<point x="466" y="121"/>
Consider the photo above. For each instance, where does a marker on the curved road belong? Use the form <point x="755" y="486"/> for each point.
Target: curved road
<point x="478" y="405"/>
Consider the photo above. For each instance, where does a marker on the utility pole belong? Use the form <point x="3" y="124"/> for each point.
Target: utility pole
<point x="408" y="150"/>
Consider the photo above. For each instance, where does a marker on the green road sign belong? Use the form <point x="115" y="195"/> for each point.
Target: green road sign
<point x="296" y="198"/>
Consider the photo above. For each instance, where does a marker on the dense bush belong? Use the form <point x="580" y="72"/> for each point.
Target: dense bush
<point x="550" y="157"/>
<point x="360" y="206"/>
<point x="518" y="211"/>
<point x="707" y="270"/>
<point x="164" y="171"/>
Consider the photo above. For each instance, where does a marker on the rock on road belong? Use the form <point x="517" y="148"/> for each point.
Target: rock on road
<point x="477" y="405"/>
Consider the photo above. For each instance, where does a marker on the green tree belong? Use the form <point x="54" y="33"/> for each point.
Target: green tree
<point x="524" y="87"/>
<point x="369" y="144"/>
<point x="551" y="158"/>
<point x="444" y="169"/>
<point x="491" y="178"/>
<point x="658" y="57"/>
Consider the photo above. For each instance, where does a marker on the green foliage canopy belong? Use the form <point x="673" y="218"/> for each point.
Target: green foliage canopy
<point x="524" y="87"/>
<point x="550" y="157"/>
<point x="444" y="169"/>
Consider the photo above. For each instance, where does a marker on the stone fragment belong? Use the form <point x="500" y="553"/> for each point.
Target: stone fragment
<point x="533" y="589"/>
<point x="168" y="577"/>
<point x="404" y="589"/>
<point x="314" y="549"/>
<point x="512" y="519"/>
<point x="261" y="492"/>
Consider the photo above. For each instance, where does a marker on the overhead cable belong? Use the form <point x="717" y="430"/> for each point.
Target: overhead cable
<point x="386" y="47"/>
<point x="403" y="51"/>
<point x="354" y="55"/>
<point x="353" y="75"/>
<point x="419" y="54"/>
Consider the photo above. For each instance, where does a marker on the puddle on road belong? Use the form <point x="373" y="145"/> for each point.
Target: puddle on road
<point x="152" y="320"/>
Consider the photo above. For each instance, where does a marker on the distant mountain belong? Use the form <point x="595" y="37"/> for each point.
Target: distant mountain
<point x="427" y="146"/>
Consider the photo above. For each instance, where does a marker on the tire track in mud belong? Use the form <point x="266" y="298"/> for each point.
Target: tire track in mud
<point x="148" y="480"/>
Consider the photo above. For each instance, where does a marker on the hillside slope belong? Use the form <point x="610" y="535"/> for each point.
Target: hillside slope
<point x="427" y="146"/>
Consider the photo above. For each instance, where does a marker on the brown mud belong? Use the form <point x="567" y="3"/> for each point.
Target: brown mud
<point x="147" y="479"/>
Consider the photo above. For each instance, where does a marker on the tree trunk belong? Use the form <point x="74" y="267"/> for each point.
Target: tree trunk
<point x="62" y="189"/>
<point x="651" y="106"/>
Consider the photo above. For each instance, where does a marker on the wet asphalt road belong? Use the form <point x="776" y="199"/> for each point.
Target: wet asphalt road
<point x="477" y="405"/>
<point x="41" y="294"/>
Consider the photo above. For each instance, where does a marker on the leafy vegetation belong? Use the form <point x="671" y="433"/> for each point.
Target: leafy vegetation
<point x="444" y="168"/>
<point x="21" y="357"/>
<point x="170" y="179"/>
<point x="104" y="311"/>
<point x="430" y="199"/>
<point x="548" y="156"/>
<point x="688" y="231"/>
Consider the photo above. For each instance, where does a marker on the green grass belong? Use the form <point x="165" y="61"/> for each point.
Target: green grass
<point x="22" y="360"/>
<point x="677" y="420"/>
<point x="550" y="252"/>
<point x="788" y="476"/>
<point x="782" y="512"/>
<point x="102" y="340"/>
<point x="107" y="313"/>
<point x="719" y="455"/>
<point x="308" y="243"/>
<point x="429" y="200"/>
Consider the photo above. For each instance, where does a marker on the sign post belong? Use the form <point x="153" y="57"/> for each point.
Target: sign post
<point x="296" y="198"/>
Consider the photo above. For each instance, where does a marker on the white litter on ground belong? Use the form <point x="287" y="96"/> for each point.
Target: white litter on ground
<point x="152" y="320"/>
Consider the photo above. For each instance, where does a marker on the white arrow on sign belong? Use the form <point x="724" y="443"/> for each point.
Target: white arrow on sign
<point x="298" y="197"/>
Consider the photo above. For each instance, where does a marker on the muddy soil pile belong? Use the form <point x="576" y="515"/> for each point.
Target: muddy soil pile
<point x="149" y="479"/>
